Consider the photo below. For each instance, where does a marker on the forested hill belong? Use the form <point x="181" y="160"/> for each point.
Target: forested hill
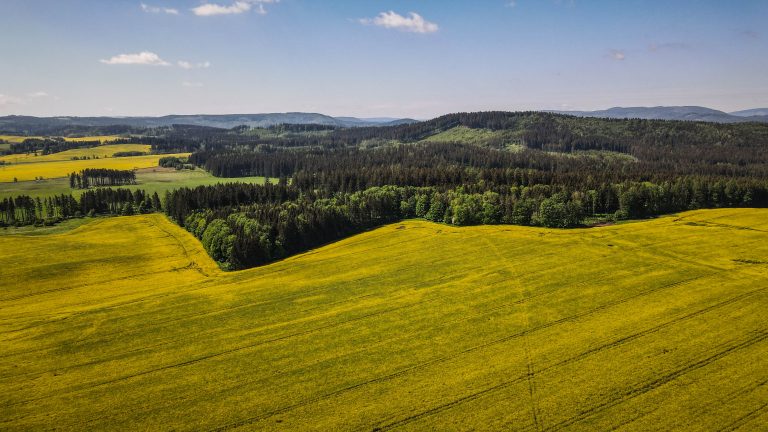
<point x="527" y="168"/>
<point x="28" y="125"/>
<point x="690" y="113"/>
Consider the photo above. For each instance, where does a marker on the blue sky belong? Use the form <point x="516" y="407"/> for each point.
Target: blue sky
<point x="369" y="58"/>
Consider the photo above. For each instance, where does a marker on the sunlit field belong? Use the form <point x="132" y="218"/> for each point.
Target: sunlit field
<point x="126" y="323"/>
<point x="24" y="167"/>
<point x="102" y="151"/>
<point x="19" y="138"/>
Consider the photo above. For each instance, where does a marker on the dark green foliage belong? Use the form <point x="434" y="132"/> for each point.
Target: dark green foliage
<point x="24" y="210"/>
<point x="101" y="177"/>
<point x="128" y="153"/>
<point x="46" y="146"/>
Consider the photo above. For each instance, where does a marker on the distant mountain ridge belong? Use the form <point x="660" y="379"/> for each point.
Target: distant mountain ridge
<point x="689" y="113"/>
<point x="29" y="124"/>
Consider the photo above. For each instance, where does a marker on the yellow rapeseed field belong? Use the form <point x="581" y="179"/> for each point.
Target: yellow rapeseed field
<point x="126" y="324"/>
<point x="29" y="167"/>
<point x="99" y="151"/>
<point x="18" y="138"/>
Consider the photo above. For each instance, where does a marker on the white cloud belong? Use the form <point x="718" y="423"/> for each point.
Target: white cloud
<point x="511" y="3"/>
<point x="191" y="84"/>
<point x="156" y="9"/>
<point x="413" y="23"/>
<point x="187" y="65"/>
<point x="37" y="94"/>
<point x="142" y="58"/>
<point x="238" y="7"/>
<point x="617" y="55"/>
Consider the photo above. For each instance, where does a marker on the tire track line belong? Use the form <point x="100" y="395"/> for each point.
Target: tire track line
<point x="583" y="355"/>
<point x="531" y="371"/>
<point x="658" y="382"/>
<point x="741" y="421"/>
<point x="213" y="355"/>
<point x="445" y="358"/>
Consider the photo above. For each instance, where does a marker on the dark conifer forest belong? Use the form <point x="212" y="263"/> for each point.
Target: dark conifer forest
<point x="529" y="169"/>
<point x="524" y="168"/>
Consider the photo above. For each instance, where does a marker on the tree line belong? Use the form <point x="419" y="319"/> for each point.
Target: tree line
<point x="45" y="146"/>
<point x="25" y="210"/>
<point x="243" y="225"/>
<point x="101" y="177"/>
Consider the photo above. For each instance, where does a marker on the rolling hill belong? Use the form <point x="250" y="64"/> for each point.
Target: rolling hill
<point x="689" y="113"/>
<point x="52" y="125"/>
<point x="655" y="325"/>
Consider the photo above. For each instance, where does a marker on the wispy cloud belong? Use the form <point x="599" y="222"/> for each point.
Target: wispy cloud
<point x="656" y="47"/>
<point x="143" y="58"/>
<point x="413" y="23"/>
<point x="157" y="9"/>
<point x="238" y="7"/>
<point x="511" y="3"/>
<point x="37" y="94"/>
<point x="617" y="55"/>
<point x="188" y="65"/>
<point x="6" y="100"/>
<point x="191" y="84"/>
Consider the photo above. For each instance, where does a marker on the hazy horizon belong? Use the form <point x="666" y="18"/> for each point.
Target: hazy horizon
<point x="377" y="59"/>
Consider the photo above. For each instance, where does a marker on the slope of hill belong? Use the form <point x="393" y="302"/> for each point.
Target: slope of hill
<point x="51" y="125"/>
<point x="656" y="325"/>
<point x="689" y="113"/>
<point x="751" y="112"/>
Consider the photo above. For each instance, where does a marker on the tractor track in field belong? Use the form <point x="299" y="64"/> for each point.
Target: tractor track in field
<point x="530" y="367"/>
<point x="581" y="356"/>
<point x="505" y="384"/>
<point x="703" y="409"/>
<point x="379" y="379"/>
<point x="744" y="420"/>
<point x="100" y="283"/>
<point x="192" y="262"/>
<point x="658" y="382"/>
<point x="216" y="354"/>
<point x="486" y="311"/>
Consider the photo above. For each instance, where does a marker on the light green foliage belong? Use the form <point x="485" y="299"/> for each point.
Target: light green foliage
<point x="218" y="239"/>
<point x="126" y="324"/>
<point x="484" y="137"/>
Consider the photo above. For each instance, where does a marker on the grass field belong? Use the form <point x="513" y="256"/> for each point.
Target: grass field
<point x="126" y="324"/>
<point x="463" y="134"/>
<point x="29" y="167"/>
<point x="151" y="180"/>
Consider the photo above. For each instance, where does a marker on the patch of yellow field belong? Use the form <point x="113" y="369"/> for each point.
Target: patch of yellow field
<point x="92" y="152"/>
<point x="125" y="323"/>
<point x="16" y="138"/>
<point x="28" y="167"/>
<point x="102" y="138"/>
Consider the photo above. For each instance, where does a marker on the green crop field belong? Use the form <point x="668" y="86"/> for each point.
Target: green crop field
<point x="151" y="180"/>
<point x="653" y="325"/>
